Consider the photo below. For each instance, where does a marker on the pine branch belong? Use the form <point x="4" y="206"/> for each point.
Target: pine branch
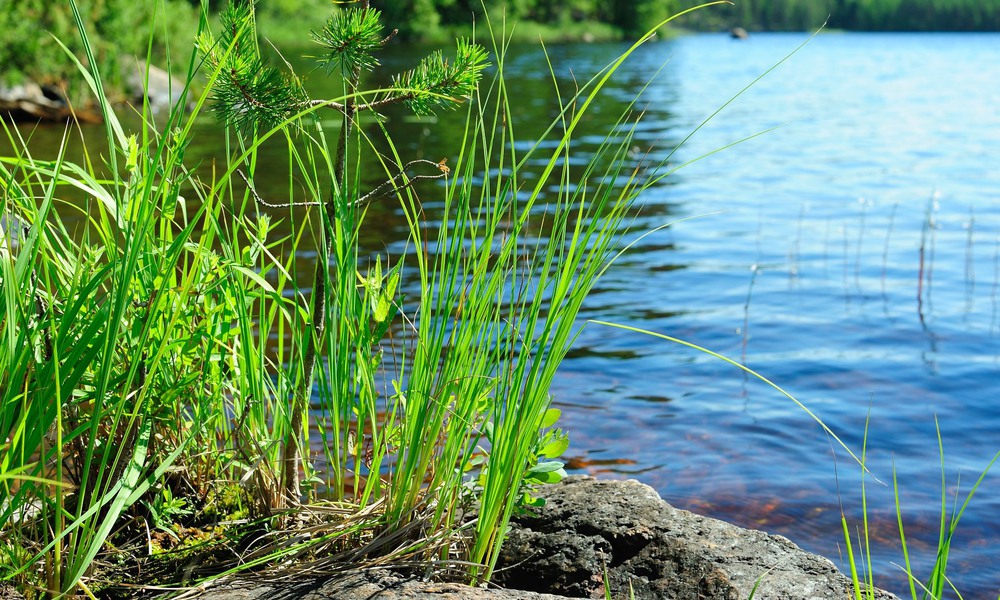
<point x="436" y="82"/>
<point x="350" y="38"/>
<point x="249" y="94"/>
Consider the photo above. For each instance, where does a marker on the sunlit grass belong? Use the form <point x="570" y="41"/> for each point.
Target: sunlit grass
<point x="162" y="360"/>
<point x="139" y="381"/>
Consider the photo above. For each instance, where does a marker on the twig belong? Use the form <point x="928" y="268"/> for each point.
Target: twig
<point x="327" y="104"/>
<point x="260" y="200"/>
<point x="388" y="187"/>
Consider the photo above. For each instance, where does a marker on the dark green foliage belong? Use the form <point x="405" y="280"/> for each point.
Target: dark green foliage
<point x="918" y="15"/>
<point x="350" y="38"/>
<point x="436" y="82"/>
<point x="631" y="17"/>
<point x="636" y="18"/>
<point x="861" y="15"/>
<point x="421" y="18"/>
<point x="118" y="28"/>
<point x="253" y="95"/>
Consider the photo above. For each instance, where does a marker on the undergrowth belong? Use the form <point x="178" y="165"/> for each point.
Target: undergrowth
<point x="174" y="400"/>
<point x="160" y="363"/>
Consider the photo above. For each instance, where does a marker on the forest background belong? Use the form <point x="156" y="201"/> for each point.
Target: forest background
<point x="121" y="27"/>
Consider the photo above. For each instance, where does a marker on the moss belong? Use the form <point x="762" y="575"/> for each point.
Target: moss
<point x="12" y="557"/>
<point x="229" y="502"/>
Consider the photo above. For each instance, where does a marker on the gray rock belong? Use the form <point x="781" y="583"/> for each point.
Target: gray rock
<point x="590" y="529"/>
<point x="162" y="89"/>
<point x="366" y="585"/>
<point x="28" y="99"/>
<point x="622" y="528"/>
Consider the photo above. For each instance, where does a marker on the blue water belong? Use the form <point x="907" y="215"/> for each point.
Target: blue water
<point x="847" y="248"/>
<point x="851" y="255"/>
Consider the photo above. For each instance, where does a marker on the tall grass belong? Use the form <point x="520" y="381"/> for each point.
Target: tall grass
<point x="933" y="584"/>
<point x="139" y="388"/>
<point x="126" y="347"/>
<point x="161" y="364"/>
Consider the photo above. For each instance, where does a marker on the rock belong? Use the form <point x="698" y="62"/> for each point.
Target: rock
<point x="589" y="527"/>
<point x="366" y="585"/>
<point x="29" y="100"/>
<point x="162" y="89"/>
<point x="738" y="33"/>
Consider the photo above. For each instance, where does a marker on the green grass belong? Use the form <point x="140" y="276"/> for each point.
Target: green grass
<point x="933" y="584"/>
<point x="144" y="409"/>
<point x="138" y="384"/>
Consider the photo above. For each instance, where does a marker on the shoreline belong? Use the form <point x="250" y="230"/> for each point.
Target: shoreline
<point x="592" y="533"/>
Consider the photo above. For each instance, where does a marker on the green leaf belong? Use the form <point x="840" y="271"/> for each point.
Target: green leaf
<point x="555" y="448"/>
<point x="551" y="416"/>
<point x="546" y="467"/>
<point x="547" y="477"/>
<point x="532" y="501"/>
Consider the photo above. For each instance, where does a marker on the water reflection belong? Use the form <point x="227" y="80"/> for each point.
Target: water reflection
<point x="852" y="256"/>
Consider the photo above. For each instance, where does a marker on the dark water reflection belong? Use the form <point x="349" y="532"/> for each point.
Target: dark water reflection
<point x="852" y="256"/>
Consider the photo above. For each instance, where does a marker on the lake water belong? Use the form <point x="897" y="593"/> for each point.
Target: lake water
<point x="851" y="255"/>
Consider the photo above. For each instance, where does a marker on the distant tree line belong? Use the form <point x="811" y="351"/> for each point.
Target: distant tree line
<point x="423" y="18"/>
<point x="630" y="18"/>
<point x="857" y="15"/>
<point x="122" y="26"/>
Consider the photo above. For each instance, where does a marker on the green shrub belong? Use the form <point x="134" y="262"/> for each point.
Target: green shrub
<point x="117" y="28"/>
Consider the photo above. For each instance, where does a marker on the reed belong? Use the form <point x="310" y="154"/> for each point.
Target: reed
<point x="161" y="363"/>
<point x="933" y="584"/>
<point x="141" y="399"/>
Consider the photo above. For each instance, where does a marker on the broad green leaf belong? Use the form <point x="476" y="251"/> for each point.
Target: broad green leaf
<point x="555" y="448"/>
<point x="551" y="416"/>
<point x="546" y="467"/>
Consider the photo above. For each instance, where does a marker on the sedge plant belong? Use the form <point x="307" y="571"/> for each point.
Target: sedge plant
<point x="935" y="583"/>
<point x="466" y="416"/>
<point x="255" y="98"/>
<point x="138" y="376"/>
<point x="121" y="366"/>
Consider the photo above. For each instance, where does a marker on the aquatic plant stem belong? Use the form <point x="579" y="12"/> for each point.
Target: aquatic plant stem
<point x="292" y="455"/>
